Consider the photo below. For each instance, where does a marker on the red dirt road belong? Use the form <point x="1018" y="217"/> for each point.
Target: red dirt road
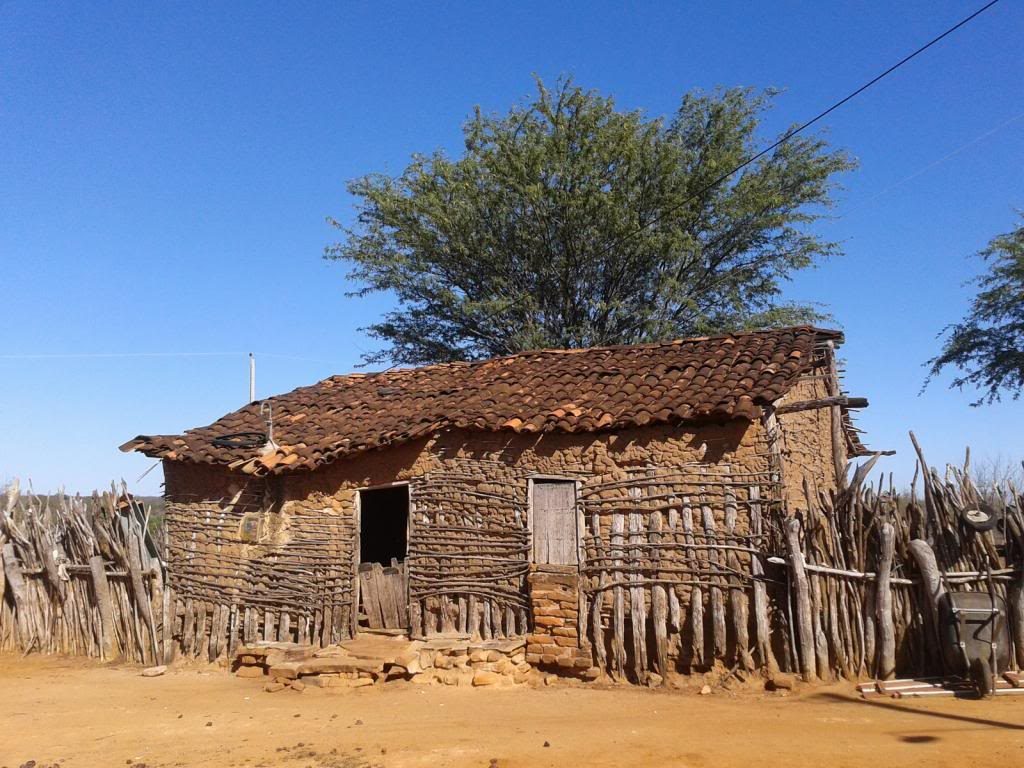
<point x="78" y="714"/>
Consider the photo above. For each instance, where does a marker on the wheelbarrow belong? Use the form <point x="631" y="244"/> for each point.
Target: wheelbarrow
<point x="975" y="638"/>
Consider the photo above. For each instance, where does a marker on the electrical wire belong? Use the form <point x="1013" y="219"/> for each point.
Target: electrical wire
<point x="803" y="126"/>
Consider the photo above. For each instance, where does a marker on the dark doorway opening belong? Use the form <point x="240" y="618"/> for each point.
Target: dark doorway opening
<point x="383" y="524"/>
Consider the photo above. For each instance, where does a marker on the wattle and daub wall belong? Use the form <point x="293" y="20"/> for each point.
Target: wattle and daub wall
<point x="672" y="519"/>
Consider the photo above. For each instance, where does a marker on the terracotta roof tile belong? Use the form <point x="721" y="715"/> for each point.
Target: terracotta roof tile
<point x="721" y="377"/>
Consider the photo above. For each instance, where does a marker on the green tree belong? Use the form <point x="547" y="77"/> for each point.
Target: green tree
<point x="987" y="346"/>
<point x="567" y="223"/>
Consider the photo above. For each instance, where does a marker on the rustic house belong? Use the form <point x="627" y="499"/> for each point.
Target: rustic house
<point x="611" y="505"/>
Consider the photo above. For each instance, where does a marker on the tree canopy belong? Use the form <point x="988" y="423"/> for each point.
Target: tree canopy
<point x="568" y="223"/>
<point x="987" y="346"/>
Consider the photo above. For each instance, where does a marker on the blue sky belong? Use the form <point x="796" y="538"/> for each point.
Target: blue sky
<point x="166" y="171"/>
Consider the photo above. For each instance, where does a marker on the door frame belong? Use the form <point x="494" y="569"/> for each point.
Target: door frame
<point x="357" y="514"/>
<point x="577" y="507"/>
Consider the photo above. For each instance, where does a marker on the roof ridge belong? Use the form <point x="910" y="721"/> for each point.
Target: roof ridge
<point x="828" y="333"/>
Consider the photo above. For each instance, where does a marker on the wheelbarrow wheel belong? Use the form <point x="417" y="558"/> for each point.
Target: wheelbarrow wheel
<point x="981" y="676"/>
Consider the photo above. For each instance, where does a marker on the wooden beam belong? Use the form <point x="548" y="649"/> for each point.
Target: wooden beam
<point x="825" y="402"/>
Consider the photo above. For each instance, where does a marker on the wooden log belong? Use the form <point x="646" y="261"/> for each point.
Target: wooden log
<point x="868" y="622"/>
<point x="1015" y="600"/>
<point x="596" y="621"/>
<point x="762" y="624"/>
<point x="142" y="598"/>
<point x="200" y="643"/>
<point x="717" y="597"/>
<point x="836" y="402"/>
<point x="16" y="582"/>
<point x="930" y="575"/>
<point x="473" y="615"/>
<point x="618" y="599"/>
<point x="696" y="593"/>
<point x="883" y="603"/>
<point x="269" y="625"/>
<point x="818" y="618"/>
<point x="188" y="637"/>
<point x="233" y="631"/>
<point x="659" y="603"/>
<point x="802" y="593"/>
<point x="637" y="599"/>
<point x="104" y="604"/>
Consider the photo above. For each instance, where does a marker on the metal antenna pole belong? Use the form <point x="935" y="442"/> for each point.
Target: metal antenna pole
<point x="252" y="377"/>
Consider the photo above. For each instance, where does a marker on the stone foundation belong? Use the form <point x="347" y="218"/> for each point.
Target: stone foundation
<point x="449" y="661"/>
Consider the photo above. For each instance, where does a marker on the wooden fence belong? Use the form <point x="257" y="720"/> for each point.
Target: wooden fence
<point x="868" y="569"/>
<point x="82" y="576"/>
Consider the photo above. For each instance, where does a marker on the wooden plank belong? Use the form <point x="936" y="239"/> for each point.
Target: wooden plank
<point x="389" y="586"/>
<point x="16" y="582"/>
<point x="368" y="594"/>
<point x="151" y="653"/>
<point x="284" y="627"/>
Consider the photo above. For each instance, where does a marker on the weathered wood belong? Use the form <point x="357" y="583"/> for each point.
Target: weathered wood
<point x="105" y="605"/>
<point x="369" y="597"/>
<point x="696" y="593"/>
<point x="133" y="546"/>
<point x="555" y="527"/>
<point x="836" y="402"/>
<point x="883" y="610"/>
<point x="16" y="582"/>
<point x="597" y="601"/>
<point x="188" y="632"/>
<point x="804" y="624"/>
<point x="762" y="623"/>
<point x="717" y="597"/>
<point x="930" y="574"/>
<point x="659" y="602"/>
<point x="637" y="599"/>
<point x="618" y="599"/>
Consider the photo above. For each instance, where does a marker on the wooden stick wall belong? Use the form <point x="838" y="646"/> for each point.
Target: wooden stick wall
<point x="469" y="552"/>
<point x="240" y="576"/>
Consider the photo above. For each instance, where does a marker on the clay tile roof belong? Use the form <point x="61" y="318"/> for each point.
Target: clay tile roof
<point x="601" y="388"/>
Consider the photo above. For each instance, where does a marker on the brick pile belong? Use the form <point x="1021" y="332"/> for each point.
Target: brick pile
<point x="555" y="643"/>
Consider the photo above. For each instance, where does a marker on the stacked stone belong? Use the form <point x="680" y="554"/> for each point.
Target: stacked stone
<point x="555" y="643"/>
<point x="489" y="662"/>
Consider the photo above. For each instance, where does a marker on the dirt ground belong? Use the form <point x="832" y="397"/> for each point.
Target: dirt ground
<point x="75" y="713"/>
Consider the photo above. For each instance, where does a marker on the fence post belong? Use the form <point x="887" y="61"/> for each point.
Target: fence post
<point x="883" y="603"/>
<point x="803" y="600"/>
<point x="101" y="589"/>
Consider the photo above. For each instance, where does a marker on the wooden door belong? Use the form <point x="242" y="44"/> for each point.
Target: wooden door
<point x="555" y="532"/>
<point x="383" y="595"/>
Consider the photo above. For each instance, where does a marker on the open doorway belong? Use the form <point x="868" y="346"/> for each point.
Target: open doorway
<point x="383" y="544"/>
<point x="383" y="524"/>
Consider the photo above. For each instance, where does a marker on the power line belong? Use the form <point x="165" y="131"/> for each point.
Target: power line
<point x="799" y="128"/>
<point x="934" y="163"/>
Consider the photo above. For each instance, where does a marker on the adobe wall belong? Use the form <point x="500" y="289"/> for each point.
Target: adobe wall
<point x="806" y="442"/>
